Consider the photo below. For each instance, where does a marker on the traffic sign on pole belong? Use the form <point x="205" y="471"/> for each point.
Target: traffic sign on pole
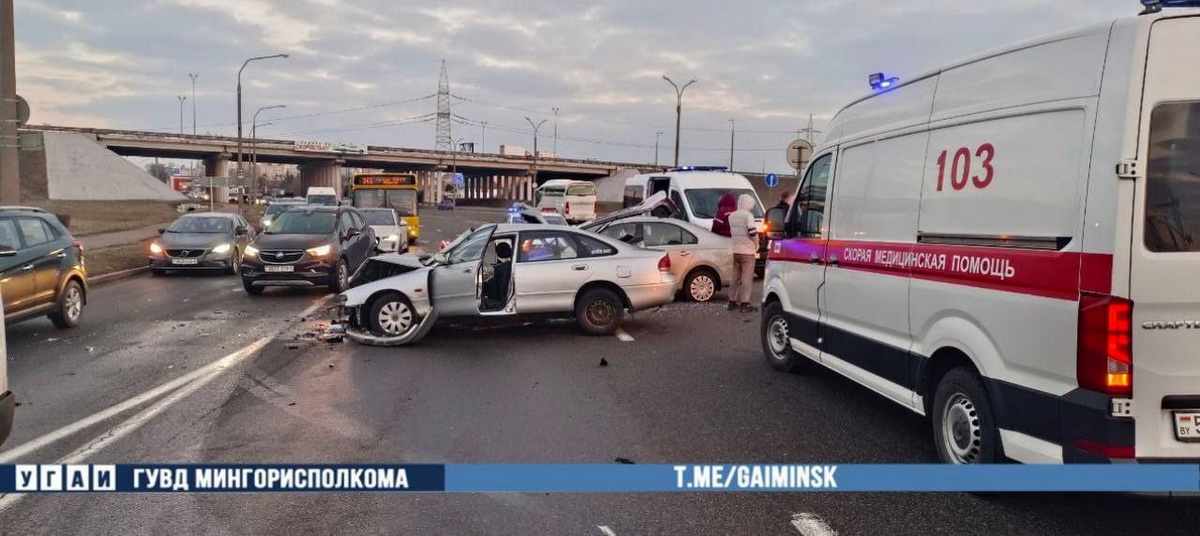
<point x="772" y="180"/>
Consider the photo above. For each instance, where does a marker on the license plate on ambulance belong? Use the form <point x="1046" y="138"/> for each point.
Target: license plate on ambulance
<point x="286" y="268"/>
<point x="185" y="261"/>
<point x="1187" y="426"/>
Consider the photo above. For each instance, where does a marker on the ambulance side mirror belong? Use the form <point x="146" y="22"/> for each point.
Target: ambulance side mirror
<point x="776" y="218"/>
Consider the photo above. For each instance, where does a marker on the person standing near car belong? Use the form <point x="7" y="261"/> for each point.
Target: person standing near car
<point x="725" y="206"/>
<point x="785" y="202"/>
<point x="744" y="239"/>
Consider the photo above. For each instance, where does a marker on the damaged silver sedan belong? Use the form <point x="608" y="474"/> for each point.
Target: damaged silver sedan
<point x="506" y="270"/>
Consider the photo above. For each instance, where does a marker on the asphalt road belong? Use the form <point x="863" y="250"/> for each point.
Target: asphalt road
<point x="691" y="386"/>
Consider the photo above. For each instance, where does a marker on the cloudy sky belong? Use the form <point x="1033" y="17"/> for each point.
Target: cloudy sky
<point x="365" y="70"/>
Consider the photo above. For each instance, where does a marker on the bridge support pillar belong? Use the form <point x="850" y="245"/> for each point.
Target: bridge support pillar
<point x="321" y="174"/>
<point x="218" y="166"/>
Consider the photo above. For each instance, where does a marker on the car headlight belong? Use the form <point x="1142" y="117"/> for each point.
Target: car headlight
<point x="223" y="248"/>
<point x="251" y="251"/>
<point x="319" y="251"/>
<point x="155" y="248"/>
<point x="393" y="238"/>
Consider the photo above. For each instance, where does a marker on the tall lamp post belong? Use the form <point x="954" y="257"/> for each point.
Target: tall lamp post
<point x="536" y="126"/>
<point x="241" y="172"/>
<point x="732" y="129"/>
<point x="555" y="110"/>
<point x="678" y="111"/>
<point x="483" y="137"/>
<point x="193" y="77"/>
<point x="656" y="136"/>
<point x="181" y="99"/>
<point x="254" y="142"/>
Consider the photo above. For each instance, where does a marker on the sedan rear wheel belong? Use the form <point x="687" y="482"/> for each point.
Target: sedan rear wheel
<point x="392" y="315"/>
<point x="700" y="286"/>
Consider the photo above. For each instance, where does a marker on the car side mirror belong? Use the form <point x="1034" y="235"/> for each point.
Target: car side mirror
<point x="352" y="232"/>
<point x="776" y="227"/>
<point x="162" y="230"/>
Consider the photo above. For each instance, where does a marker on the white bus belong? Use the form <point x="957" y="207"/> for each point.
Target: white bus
<point x="575" y="200"/>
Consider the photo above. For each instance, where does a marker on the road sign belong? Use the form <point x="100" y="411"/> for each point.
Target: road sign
<point x="22" y="111"/>
<point x="798" y="153"/>
<point x="457" y="179"/>
<point x="772" y="180"/>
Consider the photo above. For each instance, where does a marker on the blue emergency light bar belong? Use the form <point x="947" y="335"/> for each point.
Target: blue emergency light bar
<point x="1155" y="6"/>
<point x="879" y="82"/>
<point x="700" y="168"/>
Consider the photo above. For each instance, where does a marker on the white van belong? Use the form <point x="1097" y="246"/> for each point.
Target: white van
<point x="322" y="195"/>
<point x="575" y="200"/>
<point x="695" y="191"/>
<point x="1009" y="245"/>
<point x="8" y="402"/>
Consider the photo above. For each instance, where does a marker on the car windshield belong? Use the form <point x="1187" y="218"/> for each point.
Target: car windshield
<point x="303" y="222"/>
<point x="201" y="224"/>
<point x="277" y="208"/>
<point x="704" y="200"/>
<point x="379" y="217"/>
<point x="325" y="200"/>
<point x="403" y="201"/>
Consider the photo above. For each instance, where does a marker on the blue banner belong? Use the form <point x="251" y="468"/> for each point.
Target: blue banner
<point x="477" y="478"/>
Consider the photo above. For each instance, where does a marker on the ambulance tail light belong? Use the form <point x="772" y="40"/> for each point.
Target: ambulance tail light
<point x="1105" y="356"/>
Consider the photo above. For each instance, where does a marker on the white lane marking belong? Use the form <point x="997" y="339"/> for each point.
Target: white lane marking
<point x="607" y="531"/>
<point x="230" y="360"/>
<point x="811" y="525"/>
<point x="117" y="432"/>
<point x="623" y="335"/>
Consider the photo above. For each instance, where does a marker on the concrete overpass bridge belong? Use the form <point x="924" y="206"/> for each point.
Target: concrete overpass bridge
<point x="487" y="176"/>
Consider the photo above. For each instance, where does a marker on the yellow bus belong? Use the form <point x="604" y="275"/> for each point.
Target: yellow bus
<point x="389" y="190"/>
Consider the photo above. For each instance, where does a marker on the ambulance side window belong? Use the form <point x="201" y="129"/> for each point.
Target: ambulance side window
<point x="808" y="218"/>
<point x="1172" y="190"/>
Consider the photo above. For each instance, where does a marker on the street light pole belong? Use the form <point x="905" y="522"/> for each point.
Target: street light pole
<point x="193" y="77"/>
<point x="678" y="111"/>
<point x="656" y="136"/>
<point x="254" y="143"/>
<point x="731" y="131"/>
<point x="181" y="99"/>
<point x="10" y="176"/>
<point x="483" y="137"/>
<point x="240" y="171"/>
<point x="536" y="127"/>
<point x="555" y="130"/>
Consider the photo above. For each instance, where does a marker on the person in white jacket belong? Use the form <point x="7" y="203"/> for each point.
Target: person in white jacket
<point x="743" y="232"/>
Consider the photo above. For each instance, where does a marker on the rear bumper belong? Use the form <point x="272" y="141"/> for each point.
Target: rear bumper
<point x="647" y="296"/>
<point x="8" y="406"/>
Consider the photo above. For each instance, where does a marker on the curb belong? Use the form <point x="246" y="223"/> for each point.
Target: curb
<point x="115" y="276"/>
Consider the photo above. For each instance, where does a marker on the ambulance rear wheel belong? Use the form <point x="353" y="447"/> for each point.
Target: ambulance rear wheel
<point x="964" y="426"/>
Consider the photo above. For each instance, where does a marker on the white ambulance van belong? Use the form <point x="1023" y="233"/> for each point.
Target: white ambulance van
<point x="694" y="189"/>
<point x="1010" y="246"/>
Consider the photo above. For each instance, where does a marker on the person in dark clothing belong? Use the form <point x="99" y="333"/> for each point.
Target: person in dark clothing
<point x="725" y="206"/>
<point x="785" y="201"/>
